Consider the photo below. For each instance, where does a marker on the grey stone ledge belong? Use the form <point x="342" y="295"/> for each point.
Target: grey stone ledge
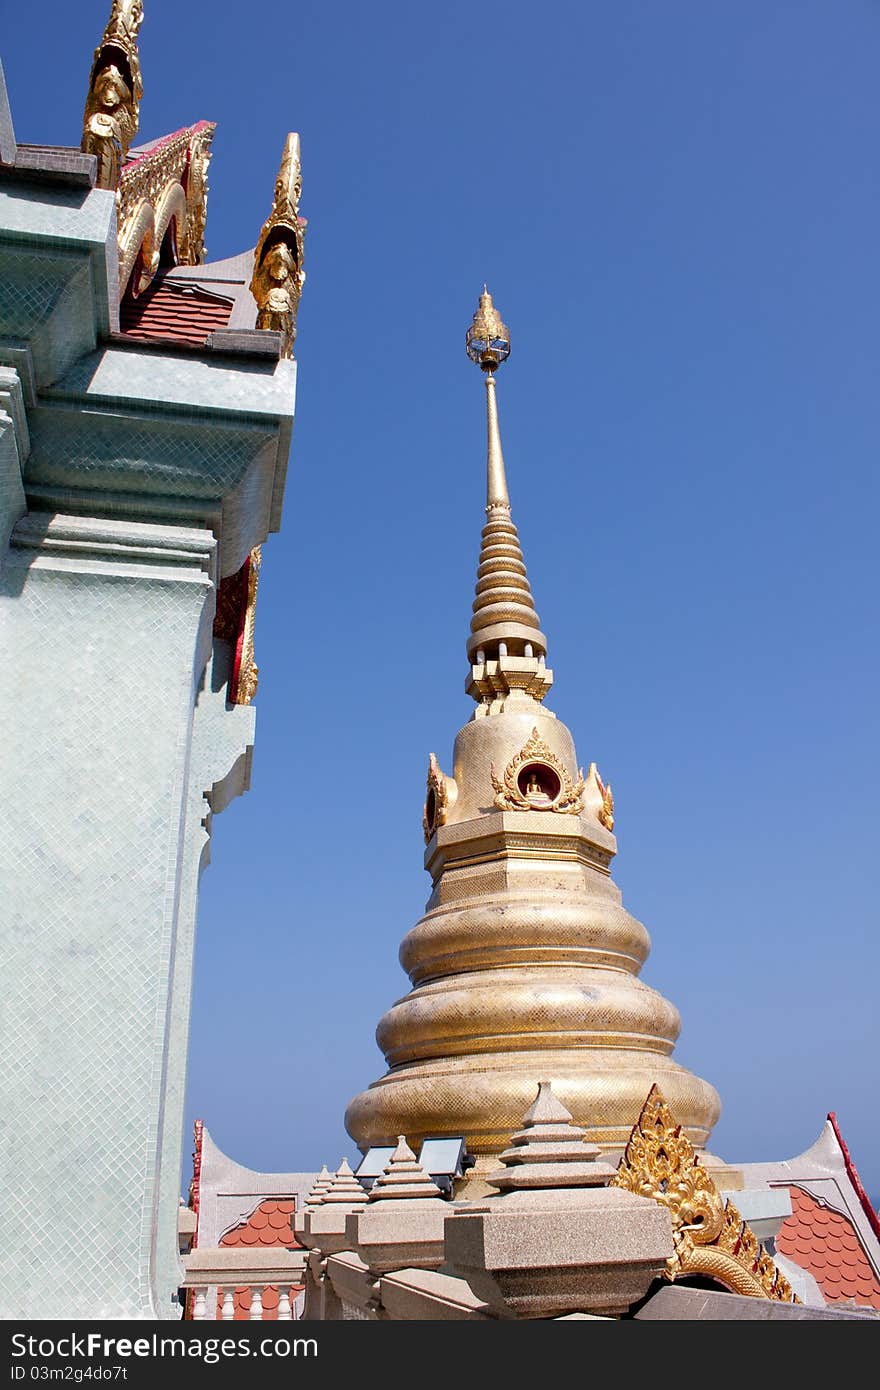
<point x="246" y="342"/>
<point x="677" y="1303"/>
<point x="53" y="164"/>
<point x="428" y="1296"/>
<point x="234" y="1265"/>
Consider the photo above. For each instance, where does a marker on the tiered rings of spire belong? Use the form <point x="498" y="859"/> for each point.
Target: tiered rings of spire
<point x="525" y="965"/>
<point x="506" y="647"/>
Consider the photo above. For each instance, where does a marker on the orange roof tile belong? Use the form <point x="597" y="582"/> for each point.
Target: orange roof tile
<point x="270" y="1224"/>
<point x="172" y="311"/>
<point x="827" y="1245"/>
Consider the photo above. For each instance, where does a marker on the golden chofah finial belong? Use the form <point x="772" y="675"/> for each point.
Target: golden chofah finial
<point x="278" y="275"/>
<point x="110" y="120"/>
<point x="488" y="339"/>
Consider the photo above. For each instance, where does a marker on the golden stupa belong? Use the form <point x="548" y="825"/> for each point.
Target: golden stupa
<point x="525" y="965"/>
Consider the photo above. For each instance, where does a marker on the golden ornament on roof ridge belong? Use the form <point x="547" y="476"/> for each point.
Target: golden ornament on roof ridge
<point x="710" y="1236"/>
<point x="112" y="110"/>
<point x="278" y="274"/>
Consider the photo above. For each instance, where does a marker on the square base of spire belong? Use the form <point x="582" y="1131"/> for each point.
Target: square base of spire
<point x="493" y="684"/>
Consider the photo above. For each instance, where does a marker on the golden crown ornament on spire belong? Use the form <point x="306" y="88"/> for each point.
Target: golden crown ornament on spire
<point x="488" y="339"/>
<point x="278" y="274"/>
<point x="110" y="119"/>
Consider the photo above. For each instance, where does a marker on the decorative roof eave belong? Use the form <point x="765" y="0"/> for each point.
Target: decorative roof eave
<point x="710" y="1236"/>
<point x="827" y="1173"/>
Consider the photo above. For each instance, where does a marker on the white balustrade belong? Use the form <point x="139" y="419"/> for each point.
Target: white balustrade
<point x="215" y="1274"/>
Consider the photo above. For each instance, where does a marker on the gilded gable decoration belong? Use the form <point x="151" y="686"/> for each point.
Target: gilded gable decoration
<point x="711" y="1238"/>
<point x="164" y="189"/>
<point x="537" y="780"/>
<point x="234" y="621"/>
<point x="161" y="188"/>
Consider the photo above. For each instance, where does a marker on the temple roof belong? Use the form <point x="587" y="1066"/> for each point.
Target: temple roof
<point x="833" y="1231"/>
<point x="825" y="1243"/>
<point x="269" y="1225"/>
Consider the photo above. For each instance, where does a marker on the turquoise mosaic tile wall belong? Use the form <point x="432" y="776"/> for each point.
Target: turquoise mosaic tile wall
<point x="97" y="713"/>
<point x="220" y="761"/>
<point x="115" y="748"/>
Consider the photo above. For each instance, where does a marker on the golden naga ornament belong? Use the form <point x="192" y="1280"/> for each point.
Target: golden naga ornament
<point x="606" y="811"/>
<point x="278" y="275"/>
<point x="441" y="795"/>
<point x="709" y="1234"/>
<point x="248" y="670"/>
<point x="537" y="780"/>
<point x="110" y="119"/>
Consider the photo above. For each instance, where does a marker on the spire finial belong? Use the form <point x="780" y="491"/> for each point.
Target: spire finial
<point x="505" y="622"/>
<point x="488" y="344"/>
<point x="278" y="274"/>
<point x="488" y="340"/>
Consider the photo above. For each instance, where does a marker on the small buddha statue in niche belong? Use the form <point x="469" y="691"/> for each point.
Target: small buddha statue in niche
<point x="534" y="790"/>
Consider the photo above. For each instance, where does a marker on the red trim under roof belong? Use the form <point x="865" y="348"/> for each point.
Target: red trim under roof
<point x="135" y="156"/>
<point x="853" y="1175"/>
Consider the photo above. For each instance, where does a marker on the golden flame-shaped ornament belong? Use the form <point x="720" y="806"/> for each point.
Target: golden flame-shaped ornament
<point x="112" y="111"/>
<point x="278" y="275"/>
<point x="488" y="339"/>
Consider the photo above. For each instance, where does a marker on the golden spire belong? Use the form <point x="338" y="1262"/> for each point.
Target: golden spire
<point x="505" y="622"/>
<point x="110" y="119"/>
<point x="278" y="274"/>
<point x="488" y="344"/>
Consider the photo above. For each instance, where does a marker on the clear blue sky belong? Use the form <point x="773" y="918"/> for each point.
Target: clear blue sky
<point x="676" y="207"/>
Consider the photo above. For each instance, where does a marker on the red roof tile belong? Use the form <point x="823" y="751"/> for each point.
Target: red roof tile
<point x="270" y="1224"/>
<point x="827" y="1245"/>
<point x="175" y="312"/>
